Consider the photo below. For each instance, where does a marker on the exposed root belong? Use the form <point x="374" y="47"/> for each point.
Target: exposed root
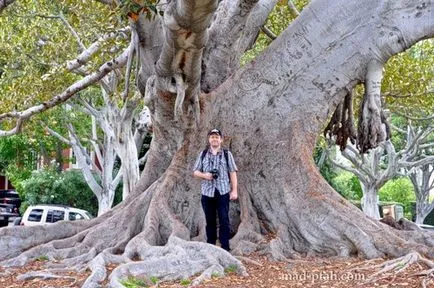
<point x="179" y="259"/>
<point x="208" y="274"/>
<point x="248" y="260"/>
<point x="98" y="267"/>
<point x="44" y="275"/>
<point x="397" y="265"/>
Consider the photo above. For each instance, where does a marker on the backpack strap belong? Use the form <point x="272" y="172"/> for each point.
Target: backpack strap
<point x="226" y="153"/>
<point x="202" y="156"/>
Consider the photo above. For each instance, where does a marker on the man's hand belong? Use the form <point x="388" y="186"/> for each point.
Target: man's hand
<point x="233" y="195"/>
<point x="201" y="175"/>
<point x="207" y="176"/>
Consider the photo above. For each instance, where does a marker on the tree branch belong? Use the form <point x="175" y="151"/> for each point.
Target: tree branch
<point x="73" y="32"/>
<point x="235" y="28"/>
<point x="57" y="135"/>
<point x="293" y="9"/>
<point x="268" y="32"/>
<point x="185" y="28"/>
<point x="359" y="175"/>
<point x="82" y="84"/>
<point x="86" y="54"/>
<point x="5" y="3"/>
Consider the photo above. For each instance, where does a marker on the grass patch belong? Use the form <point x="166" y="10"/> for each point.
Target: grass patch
<point x="185" y="282"/>
<point x="154" y="279"/>
<point x="231" y="268"/>
<point x="133" y="282"/>
<point x="216" y="275"/>
<point x="41" y="258"/>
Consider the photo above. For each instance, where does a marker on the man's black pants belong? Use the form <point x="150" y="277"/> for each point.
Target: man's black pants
<point x="211" y="205"/>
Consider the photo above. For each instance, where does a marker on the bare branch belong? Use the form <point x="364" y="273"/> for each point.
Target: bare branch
<point x="293" y="9"/>
<point x="117" y="178"/>
<point x="109" y="2"/>
<point x="430" y="117"/>
<point x="57" y="135"/>
<point x="89" y="52"/>
<point x="359" y="175"/>
<point x="95" y="145"/>
<point x="73" y="32"/>
<point x="87" y="108"/>
<point x="82" y="84"/>
<point x="396" y="128"/>
<point x="129" y="65"/>
<point x="423" y="161"/>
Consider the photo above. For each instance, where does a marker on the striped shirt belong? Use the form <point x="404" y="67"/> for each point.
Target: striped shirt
<point x="218" y="162"/>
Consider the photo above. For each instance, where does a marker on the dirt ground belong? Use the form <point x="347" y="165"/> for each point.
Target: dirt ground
<point x="308" y="272"/>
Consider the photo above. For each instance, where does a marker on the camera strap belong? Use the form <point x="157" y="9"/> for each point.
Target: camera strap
<point x="226" y="155"/>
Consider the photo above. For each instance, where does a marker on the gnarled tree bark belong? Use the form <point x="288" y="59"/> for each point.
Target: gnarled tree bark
<point x="271" y="112"/>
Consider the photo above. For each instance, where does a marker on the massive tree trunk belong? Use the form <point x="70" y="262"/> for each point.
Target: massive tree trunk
<point x="271" y="111"/>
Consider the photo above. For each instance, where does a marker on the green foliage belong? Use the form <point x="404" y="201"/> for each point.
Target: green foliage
<point x="36" y="44"/>
<point x="408" y="80"/>
<point x="399" y="190"/>
<point x="17" y="157"/>
<point x="42" y="258"/>
<point x="132" y="8"/>
<point x="216" y="275"/>
<point x="51" y="187"/>
<point x="133" y="282"/>
<point x="154" y="279"/>
<point x="185" y="282"/>
<point x="348" y="185"/>
<point x="231" y="268"/>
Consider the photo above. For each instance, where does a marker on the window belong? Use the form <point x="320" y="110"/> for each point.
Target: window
<point x="54" y="216"/>
<point x="35" y="215"/>
<point x="75" y="216"/>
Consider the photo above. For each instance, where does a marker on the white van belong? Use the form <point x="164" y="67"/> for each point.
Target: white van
<point x="48" y="213"/>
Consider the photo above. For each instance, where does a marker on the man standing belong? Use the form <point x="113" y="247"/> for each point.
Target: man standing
<point x="216" y="167"/>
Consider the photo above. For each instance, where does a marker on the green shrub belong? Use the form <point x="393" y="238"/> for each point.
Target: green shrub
<point x="399" y="190"/>
<point x="185" y="282"/>
<point x="348" y="185"/>
<point x="133" y="282"/>
<point x="51" y="187"/>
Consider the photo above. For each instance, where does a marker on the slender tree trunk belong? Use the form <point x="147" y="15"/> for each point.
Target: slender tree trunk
<point x="105" y="201"/>
<point x="127" y="151"/>
<point x="370" y="201"/>
<point x="422" y="181"/>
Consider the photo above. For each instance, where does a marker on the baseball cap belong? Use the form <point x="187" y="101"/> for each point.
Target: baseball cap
<point x="215" y="131"/>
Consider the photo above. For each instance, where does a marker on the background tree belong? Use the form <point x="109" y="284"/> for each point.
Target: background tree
<point x="380" y="165"/>
<point x="423" y="183"/>
<point x="271" y="110"/>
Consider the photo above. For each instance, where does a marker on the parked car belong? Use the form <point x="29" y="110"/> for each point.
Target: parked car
<point x="10" y="197"/>
<point x="8" y="212"/>
<point x="49" y="213"/>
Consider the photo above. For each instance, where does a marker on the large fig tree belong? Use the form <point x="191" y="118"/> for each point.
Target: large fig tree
<point x="271" y="111"/>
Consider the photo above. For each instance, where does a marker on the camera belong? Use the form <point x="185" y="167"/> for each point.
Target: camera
<point x="215" y="173"/>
